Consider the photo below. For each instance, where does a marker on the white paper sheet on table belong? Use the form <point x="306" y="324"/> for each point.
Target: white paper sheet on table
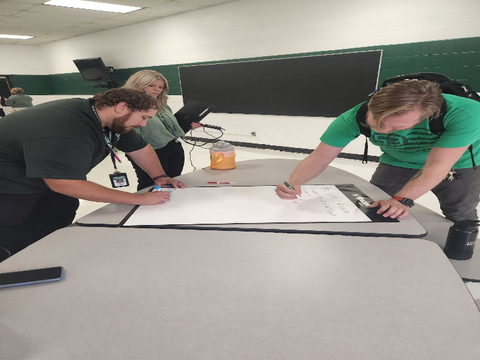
<point x="248" y="205"/>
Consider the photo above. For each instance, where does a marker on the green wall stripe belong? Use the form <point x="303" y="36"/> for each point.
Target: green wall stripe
<point x="458" y="59"/>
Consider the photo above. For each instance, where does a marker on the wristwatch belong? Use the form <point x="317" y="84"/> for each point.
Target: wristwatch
<point x="404" y="201"/>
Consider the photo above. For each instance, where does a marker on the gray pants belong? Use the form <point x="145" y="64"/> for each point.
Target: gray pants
<point x="458" y="198"/>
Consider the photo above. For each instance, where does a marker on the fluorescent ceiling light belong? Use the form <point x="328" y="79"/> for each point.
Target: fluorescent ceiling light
<point x="92" y="5"/>
<point x="20" y="37"/>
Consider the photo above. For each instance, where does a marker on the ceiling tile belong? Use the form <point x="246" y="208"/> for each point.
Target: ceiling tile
<point x="142" y="3"/>
<point x="52" y="23"/>
<point x="28" y="2"/>
<point x="15" y="5"/>
<point x="7" y="12"/>
<point x="204" y="2"/>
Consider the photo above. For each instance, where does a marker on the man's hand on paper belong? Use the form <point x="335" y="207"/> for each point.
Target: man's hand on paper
<point x="391" y="208"/>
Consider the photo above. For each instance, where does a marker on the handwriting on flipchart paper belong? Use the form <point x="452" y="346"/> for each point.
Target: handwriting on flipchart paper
<point x="329" y="197"/>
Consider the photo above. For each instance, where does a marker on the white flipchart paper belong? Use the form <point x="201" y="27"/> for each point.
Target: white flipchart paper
<point x="248" y="205"/>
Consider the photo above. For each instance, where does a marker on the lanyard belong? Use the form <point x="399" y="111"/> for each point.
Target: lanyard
<point x="107" y="139"/>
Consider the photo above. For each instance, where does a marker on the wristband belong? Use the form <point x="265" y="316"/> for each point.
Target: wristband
<point x="404" y="201"/>
<point x="159" y="177"/>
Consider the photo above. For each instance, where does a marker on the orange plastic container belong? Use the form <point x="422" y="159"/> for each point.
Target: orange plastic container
<point x="222" y="156"/>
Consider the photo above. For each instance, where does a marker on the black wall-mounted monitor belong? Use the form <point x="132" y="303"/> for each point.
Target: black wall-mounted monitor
<point x="95" y="70"/>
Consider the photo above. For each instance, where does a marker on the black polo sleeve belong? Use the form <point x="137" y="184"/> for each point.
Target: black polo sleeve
<point x="130" y="141"/>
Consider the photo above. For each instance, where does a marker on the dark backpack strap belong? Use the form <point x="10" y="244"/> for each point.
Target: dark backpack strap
<point x="453" y="87"/>
<point x="365" y="152"/>
<point x="470" y="148"/>
<point x="436" y="124"/>
<point x="437" y="78"/>
<point x="437" y="127"/>
<point x="361" y="118"/>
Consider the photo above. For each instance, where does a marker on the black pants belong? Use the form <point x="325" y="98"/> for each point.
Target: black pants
<point x="26" y="218"/>
<point x="172" y="158"/>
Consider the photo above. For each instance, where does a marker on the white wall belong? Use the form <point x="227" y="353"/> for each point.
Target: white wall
<point x="290" y="131"/>
<point x="297" y="132"/>
<point x="22" y="59"/>
<point x="252" y="28"/>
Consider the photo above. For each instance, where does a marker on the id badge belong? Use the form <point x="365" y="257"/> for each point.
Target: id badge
<point x="119" y="179"/>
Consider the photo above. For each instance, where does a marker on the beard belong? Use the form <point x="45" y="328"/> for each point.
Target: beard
<point x="118" y="125"/>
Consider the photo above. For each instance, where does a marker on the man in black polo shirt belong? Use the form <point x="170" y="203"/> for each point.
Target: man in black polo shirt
<point x="47" y="150"/>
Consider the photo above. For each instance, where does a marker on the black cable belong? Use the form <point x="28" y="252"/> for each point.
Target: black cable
<point x="194" y="144"/>
<point x="207" y="141"/>
<point x="190" y="158"/>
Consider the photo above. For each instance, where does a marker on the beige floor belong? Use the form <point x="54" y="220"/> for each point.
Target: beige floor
<point x="199" y="158"/>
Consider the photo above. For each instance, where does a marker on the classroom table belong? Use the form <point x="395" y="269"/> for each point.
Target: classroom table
<point x="273" y="172"/>
<point x="423" y="223"/>
<point x="188" y="294"/>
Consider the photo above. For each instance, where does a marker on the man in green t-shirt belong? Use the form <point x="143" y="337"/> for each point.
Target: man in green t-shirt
<point x="414" y="160"/>
<point x="47" y="150"/>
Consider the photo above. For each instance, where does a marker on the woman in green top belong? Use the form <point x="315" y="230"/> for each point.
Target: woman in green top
<point x="162" y="131"/>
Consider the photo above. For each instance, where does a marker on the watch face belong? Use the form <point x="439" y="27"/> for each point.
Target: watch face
<point x="407" y="202"/>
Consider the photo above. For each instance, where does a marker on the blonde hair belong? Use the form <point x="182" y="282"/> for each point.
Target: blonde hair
<point x="16" y="90"/>
<point x="402" y="97"/>
<point x="141" y="79"/>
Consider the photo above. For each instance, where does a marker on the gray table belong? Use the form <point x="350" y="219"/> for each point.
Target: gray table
<point x="273" y="172"/>
<point x="188" y="294"/>
<point x="423" y="222"/>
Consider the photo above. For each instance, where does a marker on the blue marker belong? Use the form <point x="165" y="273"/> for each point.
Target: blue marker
<point x="158" y="188"/>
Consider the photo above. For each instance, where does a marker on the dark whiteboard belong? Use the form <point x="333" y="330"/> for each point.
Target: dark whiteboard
<point x="324" y="85"/>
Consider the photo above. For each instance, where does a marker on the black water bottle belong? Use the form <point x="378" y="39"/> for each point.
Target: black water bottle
<point x="461" y="240"/>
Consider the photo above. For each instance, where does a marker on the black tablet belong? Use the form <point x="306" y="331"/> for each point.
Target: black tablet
<point x="192" y="111"/>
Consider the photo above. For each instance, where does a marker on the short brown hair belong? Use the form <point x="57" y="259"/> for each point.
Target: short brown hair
<point x="16" y="90"/>
<point x="135" y="100"/>
<point x="402" y="97"/>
